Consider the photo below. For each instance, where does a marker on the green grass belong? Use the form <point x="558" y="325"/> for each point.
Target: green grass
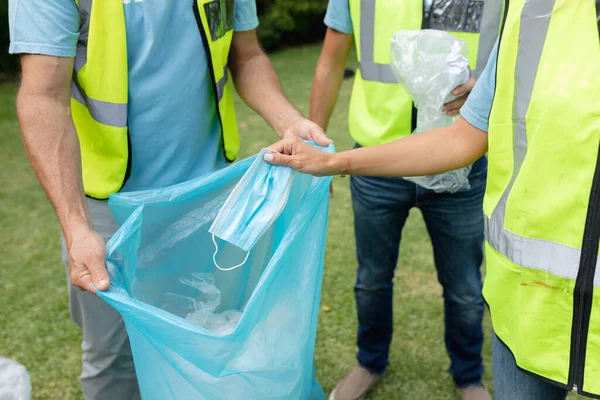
<point x="37" y="331"/>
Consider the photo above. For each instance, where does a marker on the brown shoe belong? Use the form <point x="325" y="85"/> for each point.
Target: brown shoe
<point x="475" y="393"/>
<point x="355" y="385"/>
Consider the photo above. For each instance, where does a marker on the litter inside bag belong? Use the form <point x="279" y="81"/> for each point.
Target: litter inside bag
<point x="198" y="331"/>
<point x="15" y="383"/>
<point x="430" y="64"/>
<point x="200" y="310"/>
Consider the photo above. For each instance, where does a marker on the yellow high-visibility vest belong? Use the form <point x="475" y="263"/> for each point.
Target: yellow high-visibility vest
<point x="380" y="109"/>
<point x="542" y="204"/>
<point x="99" y="92"/>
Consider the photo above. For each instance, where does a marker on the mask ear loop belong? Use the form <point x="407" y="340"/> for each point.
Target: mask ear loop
<point x="217" y="246"/>
<point x="215" y="258"/>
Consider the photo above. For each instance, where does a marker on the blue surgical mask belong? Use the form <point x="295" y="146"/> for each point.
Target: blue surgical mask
<point x="253" y="206"/>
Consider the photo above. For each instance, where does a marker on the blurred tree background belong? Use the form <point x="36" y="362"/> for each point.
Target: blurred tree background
<point x="282" y="23"/>
<point x="290" y="22"/>
<point x="8" y="64"/>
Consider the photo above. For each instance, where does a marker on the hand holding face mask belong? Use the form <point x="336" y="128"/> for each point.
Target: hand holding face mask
<point x="258" y="199"/>
<point x="252" y="207"/>
<point x="303" y="157"/>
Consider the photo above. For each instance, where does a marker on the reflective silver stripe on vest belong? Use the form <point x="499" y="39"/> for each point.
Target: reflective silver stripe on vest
<point x="490" y="25"/>
<point x="369" y="70"/>
<point x="112" y="114"/>
<point x="549" y="256"/>
<point x="222" y="82"/>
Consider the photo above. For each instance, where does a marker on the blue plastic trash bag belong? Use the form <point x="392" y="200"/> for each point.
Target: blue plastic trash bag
<point x="198" y="332"/>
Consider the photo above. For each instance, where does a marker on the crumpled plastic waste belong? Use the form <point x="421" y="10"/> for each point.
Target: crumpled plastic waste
<point x="202" y="307"/>
<point x="456" y="15"/>
<point x="15" y="383"/>
<point x="430" y="64"/>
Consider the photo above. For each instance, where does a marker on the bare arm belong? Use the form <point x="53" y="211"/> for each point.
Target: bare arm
<point x="258" y="85"/>
<point x="50" y="138"/>
<point x="43" y="106"/>
<point x="431" y="152"/>
<point x="329" y="76"/>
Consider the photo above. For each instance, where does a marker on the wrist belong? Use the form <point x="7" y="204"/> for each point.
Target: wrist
<point x="75" y="231"/>
<point x="319" y="119"/>
<point x="76" y="225"/>
<point x="285" y="121"/>
<point x="339" y="163"/>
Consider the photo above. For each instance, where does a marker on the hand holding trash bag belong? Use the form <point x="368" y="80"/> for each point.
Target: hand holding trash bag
<point x="87" y="254"/>
<point x="302" y="157"/>
<point x="307" y="130"/>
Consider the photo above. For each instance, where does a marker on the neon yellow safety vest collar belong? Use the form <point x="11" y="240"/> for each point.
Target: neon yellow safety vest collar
<point x="99" y="92"/>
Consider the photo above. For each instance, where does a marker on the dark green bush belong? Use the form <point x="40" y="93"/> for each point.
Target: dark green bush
<point x="8" y="63"/>
<point x="289" y="22"/>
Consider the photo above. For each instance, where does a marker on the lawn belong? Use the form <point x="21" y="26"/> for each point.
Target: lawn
<point x="37" y="330"/>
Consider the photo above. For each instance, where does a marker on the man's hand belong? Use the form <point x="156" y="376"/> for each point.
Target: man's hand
<point x="87" y="254"/>
<point x="258" y="85"/>
<point x="307" y="130"/>
<point x="453" y="108"/>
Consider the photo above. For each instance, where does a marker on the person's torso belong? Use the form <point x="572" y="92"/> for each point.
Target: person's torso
<point x="173" y="125"/>
<point x="380" y="109"/>
<point x="543" y="194"/>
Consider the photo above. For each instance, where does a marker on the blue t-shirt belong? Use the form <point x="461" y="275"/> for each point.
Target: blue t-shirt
<point x="477" y="108"/>
<point x="173" y="125"/>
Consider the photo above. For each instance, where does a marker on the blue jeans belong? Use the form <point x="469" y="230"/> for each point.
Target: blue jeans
<point x="455" y="225"/>
<point x="511" y="383"/>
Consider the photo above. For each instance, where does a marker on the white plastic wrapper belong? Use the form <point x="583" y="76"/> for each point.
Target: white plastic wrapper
<point x="15" y="383"/>
<point x="430" y="64"/>
<point x="201" y="309"/>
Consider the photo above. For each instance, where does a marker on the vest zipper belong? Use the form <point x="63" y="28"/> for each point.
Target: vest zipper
<point x="128" y="170"/>
<point x="211" y="68"/>
<point x="584" y="286"/>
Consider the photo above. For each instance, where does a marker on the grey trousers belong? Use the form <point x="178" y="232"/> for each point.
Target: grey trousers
<point x="107" y="371"/>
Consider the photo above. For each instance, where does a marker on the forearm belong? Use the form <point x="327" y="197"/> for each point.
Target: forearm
<point x="258" y="85"/>
<point x="53" y="148"/>
<point x="329" y="76"/>
<point x="325" y="90"/>
<point x="432" y="152"/>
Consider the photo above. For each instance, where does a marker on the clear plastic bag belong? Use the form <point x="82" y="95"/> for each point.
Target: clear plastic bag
<point x="201" y="308"/>
<point x="430" y="64"/>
